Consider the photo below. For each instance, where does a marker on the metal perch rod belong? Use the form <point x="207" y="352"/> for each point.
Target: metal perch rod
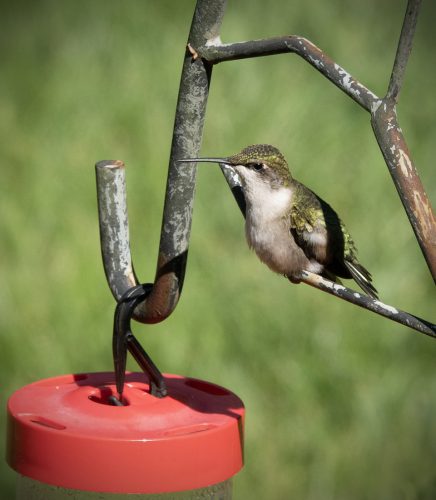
<point x="361" y="300"/>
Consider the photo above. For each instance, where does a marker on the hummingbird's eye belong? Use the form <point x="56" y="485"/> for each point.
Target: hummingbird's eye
<point x="256" y="166"/>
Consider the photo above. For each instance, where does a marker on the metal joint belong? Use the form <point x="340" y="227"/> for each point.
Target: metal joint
<point x="123" y="340"/>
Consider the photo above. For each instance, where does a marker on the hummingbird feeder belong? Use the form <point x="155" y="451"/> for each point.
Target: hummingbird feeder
<point x="149" y="433"/>
<point x="107" y="435"/>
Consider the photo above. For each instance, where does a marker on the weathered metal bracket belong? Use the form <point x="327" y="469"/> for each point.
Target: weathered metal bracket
<point x="204" y="50"/>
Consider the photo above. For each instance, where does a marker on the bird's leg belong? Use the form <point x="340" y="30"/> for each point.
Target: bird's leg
<point x="294" y="279"/>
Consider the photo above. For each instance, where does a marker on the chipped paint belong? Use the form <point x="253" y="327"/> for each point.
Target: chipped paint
<point x="216" y="42"/>
<point x="337" y="287"/>
<point x="316" y="62"/>
<point x="313" y="278"/>
<point x="375" y="105"/>
<point x="391" y="125"/>
<point x="347" y="80"/>
<point x="424" y="212"/>
<point x="386" y="307"/>
<point x="114" y="228"/>
<point x="405" y="163"/>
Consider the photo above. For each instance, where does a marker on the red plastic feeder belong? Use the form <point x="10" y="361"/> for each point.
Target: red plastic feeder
<point x="62" y="431"/>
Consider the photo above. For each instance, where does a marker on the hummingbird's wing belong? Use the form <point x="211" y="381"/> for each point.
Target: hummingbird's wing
<point x="318" y="230"/>
<point x="321" y="234"/>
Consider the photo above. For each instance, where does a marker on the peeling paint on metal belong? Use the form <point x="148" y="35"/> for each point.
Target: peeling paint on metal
<point x="316" y="62"/>
<point x="424" y="212"/>
<point x="114" y="228"/>
<point x="335" y="287"/>
<point x="391" y="123"/>
<point x="386" y="307"/>
<point x="405" y="163"/>
<point x="216" y="42"/>
<point x="347" y="80"/>
<point x="118" y="234"/>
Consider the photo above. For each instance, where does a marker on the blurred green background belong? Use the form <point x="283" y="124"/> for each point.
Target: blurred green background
<point x="340" y="402"/>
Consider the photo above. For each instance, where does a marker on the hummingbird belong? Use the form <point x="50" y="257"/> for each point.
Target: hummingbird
<point x="289" y="227"/>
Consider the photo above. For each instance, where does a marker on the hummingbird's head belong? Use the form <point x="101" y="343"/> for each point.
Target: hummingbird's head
<point x="256" y="165"/>
<point x="261" y="163"/>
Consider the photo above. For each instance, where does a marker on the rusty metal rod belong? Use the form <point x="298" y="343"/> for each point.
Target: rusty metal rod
<point x="395" y="151"/>
<point x="406" y="179"/>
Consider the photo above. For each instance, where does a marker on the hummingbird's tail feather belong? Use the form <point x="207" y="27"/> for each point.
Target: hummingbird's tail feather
<point x="362" y="277"/>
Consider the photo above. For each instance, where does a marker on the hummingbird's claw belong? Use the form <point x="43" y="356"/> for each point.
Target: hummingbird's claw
<point x="294" y="279"/>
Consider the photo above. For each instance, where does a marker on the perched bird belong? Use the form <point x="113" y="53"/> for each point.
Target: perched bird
<point x="290" y="228"/>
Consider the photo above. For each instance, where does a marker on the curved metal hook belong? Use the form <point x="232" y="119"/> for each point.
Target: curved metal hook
<point x="123" y="340"/>
<point x="179" y="199"/>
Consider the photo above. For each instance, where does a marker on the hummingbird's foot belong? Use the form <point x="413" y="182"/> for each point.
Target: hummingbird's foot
<point x="194" y="53"/>
<point x="294" y="279"/>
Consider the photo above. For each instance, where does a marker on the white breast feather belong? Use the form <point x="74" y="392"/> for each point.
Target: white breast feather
<point x="267" y="230"/>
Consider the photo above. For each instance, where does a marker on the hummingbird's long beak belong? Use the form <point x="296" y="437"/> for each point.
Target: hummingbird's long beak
<point x="204" y="160"/>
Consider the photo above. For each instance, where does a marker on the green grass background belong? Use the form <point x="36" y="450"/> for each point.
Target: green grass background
<point x="340" y="403"/>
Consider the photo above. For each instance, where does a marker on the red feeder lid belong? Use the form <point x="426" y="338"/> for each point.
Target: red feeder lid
<point x="63" y="431"/>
